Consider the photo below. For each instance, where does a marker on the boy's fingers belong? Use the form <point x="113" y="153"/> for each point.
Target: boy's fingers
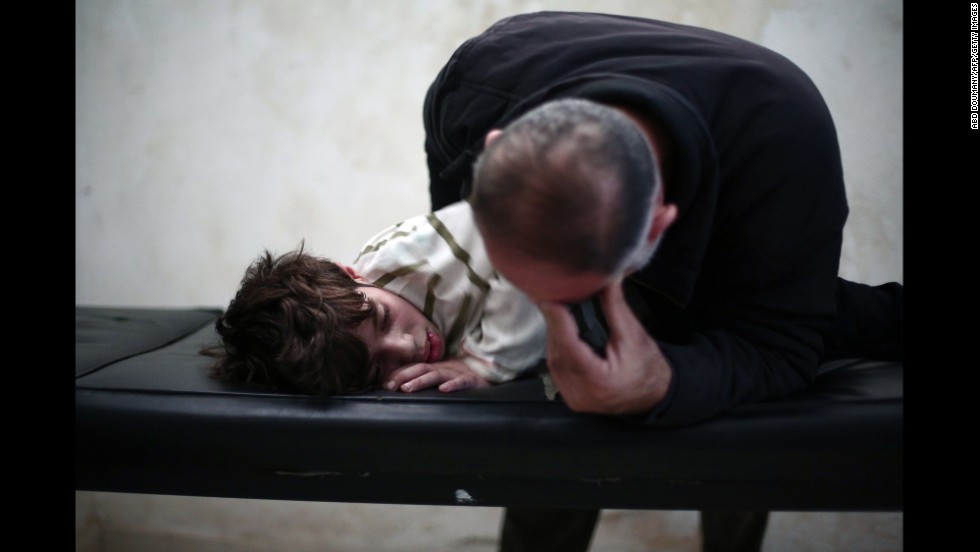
<point x="461" y="383"/>
<point x="405" y="374"/>
<point x="449" y="376"/>
<point x="426" y="380"/>
<point x="455" y="384"/>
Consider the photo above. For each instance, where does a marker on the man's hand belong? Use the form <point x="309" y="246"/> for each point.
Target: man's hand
<point x="450" y="375"/>
<point x="633" y="377"/>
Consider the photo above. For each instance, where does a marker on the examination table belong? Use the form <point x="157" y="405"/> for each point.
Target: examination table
<point x="148" y="419"/>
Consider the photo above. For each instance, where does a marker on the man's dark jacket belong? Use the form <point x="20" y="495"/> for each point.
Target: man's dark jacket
<point x="742" y="291"/>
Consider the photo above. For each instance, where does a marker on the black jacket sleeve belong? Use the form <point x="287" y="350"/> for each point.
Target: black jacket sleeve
<point x="743" y="286"/>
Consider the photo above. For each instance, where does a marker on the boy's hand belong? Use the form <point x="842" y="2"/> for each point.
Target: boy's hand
<point x="449" y="375"/>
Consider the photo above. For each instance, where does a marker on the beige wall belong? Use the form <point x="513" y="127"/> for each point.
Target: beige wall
<point x="207" y="130"/>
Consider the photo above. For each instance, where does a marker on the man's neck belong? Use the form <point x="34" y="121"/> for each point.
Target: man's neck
<point x="656" y="135"/>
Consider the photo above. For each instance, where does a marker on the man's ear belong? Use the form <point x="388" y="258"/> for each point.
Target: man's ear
<point x="663" y="217"/>
<point x="351" y="272"/>
<point x="491" y="136"/>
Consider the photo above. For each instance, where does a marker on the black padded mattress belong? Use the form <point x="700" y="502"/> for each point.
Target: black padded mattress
<point x="148" y="419"/>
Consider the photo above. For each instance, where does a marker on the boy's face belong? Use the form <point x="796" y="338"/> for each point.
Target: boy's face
<point x="397" y="334"/>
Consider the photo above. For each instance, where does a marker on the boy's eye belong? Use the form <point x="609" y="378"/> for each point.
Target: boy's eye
<point x="383" y="318"/>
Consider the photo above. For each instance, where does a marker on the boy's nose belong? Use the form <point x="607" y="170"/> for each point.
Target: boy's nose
<point x="402" y="348"/>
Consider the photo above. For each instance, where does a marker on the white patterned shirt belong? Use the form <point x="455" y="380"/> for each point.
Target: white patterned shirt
<point x="439" y="264"/>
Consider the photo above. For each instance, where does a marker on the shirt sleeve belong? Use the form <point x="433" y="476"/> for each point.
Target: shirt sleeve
<point x="758" y="346"/>
<point x="510" y="337"/>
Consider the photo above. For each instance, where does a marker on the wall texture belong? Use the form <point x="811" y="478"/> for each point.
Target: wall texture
<point x="208" y="130"/>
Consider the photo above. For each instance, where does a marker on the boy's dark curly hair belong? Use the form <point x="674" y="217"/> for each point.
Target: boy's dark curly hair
<point x="290" y="325"/>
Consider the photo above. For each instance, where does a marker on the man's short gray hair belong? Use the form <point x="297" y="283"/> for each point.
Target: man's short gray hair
<point x="571" y="182"/>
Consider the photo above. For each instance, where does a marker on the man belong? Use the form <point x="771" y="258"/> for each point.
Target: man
<point x="691" y="181"/>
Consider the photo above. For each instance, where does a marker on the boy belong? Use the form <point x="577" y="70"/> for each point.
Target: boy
<point x="420" y="307"/>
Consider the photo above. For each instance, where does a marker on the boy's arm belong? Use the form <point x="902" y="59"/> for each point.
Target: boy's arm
<point x="449" y="375"/>
<point x="510" y="337"/>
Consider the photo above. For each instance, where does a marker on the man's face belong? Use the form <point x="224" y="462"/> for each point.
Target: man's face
<point x="542" y="281"/>
<point x="397" y="334"/>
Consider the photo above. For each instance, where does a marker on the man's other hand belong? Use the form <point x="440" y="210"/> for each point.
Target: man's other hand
<point x="634" y="376"/>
